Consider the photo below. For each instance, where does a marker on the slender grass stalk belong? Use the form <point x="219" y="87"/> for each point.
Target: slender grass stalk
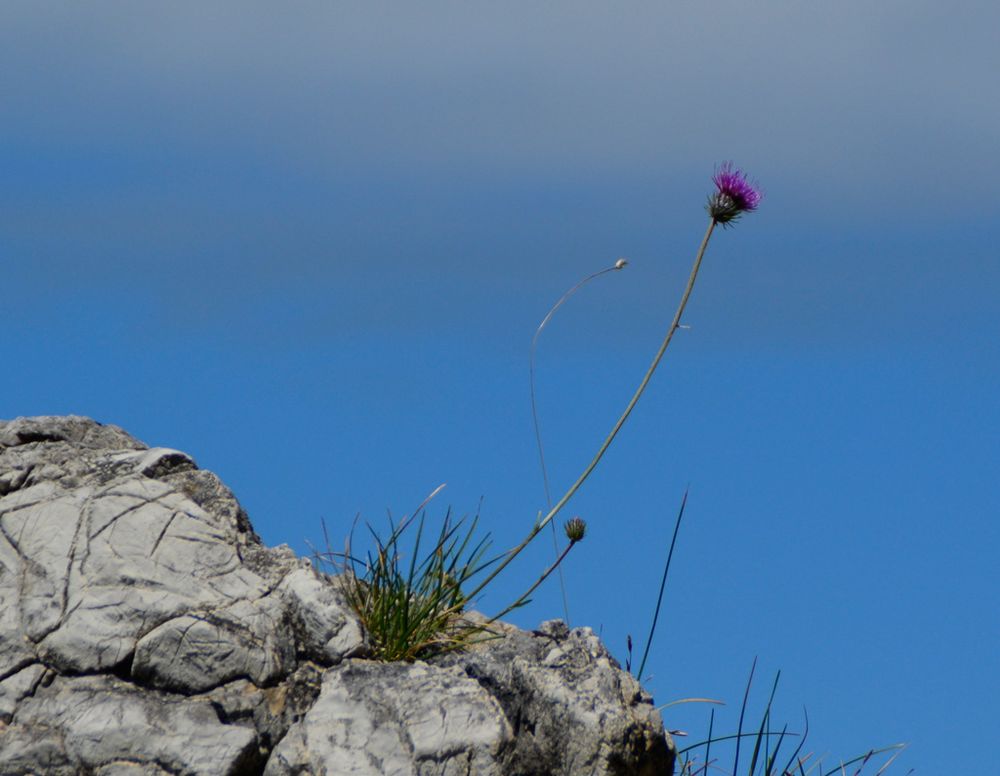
<point x="663" y="584"/>
<point x="764" y="758"/>
<point x="763" y="733"/>
<point x="708" y="743"/>
<point x="690" y="700"/>
<point x="620" y="264"/>
<point x="743" y="709"/>
<point x="717" y="739"/>
<point x="868" y="755"/>
<point x="802" y="742"/>
<point x="675" y="324"/>
<point x="796" y="764"/>
<point x="891" y="760"/>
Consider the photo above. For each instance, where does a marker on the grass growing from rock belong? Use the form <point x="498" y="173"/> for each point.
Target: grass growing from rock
<point x="418" y="610"/>
<point x="414" y="609"/>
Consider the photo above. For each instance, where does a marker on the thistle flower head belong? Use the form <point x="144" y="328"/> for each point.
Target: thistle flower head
<point x="575" y="529"/>
<point x="736" y="194"/>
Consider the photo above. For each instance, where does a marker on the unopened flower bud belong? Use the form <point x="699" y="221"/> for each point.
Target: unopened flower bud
<point x="575" y="529"/>
<point x="620" y="264"/>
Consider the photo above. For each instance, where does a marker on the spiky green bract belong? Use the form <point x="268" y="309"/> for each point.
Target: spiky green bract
<point x="576" y="529"/>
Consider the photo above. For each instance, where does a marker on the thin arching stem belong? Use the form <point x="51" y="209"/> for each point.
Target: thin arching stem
<point x="620" y="264"/>
<point x="545" y="575"/>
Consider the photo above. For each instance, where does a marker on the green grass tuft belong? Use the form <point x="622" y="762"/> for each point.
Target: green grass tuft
<point x="768" y="745"/>
<point x="413" y="610"/>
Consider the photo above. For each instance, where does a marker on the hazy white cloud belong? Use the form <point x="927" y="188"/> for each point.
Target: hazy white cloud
<point x="346" y="154"/>
<point x="860" y="94"/>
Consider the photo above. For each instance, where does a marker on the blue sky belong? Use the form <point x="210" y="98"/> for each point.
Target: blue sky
<point x="310" y="247"/>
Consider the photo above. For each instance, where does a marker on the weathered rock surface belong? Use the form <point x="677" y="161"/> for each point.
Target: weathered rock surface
<point x="144" y="629"/>
<point x="573" y="709"/>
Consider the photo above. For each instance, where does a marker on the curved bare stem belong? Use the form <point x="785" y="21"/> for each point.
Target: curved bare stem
<point x="620" y="264"/>
<point x="675" y="324"/>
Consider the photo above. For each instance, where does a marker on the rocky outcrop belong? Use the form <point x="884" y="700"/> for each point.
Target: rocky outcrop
<point x="144" y="629"/>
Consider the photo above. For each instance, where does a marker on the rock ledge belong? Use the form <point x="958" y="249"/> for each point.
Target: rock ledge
<point x="145" y="629"/>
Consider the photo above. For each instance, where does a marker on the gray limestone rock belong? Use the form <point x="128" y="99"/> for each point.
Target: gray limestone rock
<point x="144" y="629"/>
<point x="85" y="723"/>
<point x="399" y="719"/>
<point x="574" y="710"/>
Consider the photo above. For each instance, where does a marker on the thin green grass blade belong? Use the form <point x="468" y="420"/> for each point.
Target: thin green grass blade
<point x="415" y="552"/>
<point x="892" y="759"/>
<point x="762" y="736"/>
<point x="743" y="709"/>
<point x="867" y="755"/>
<point x="718" y="739"/>
<point x="663" y="584"/>
<point x="708" y="743"/>
<point x="802" y="742"/>
<point x="769" y="758"/>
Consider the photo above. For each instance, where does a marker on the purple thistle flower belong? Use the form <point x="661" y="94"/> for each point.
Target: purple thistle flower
<point x="736" y="195"/>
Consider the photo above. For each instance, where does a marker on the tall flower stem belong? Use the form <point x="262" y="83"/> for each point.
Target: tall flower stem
<point x="675" y="324"/>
